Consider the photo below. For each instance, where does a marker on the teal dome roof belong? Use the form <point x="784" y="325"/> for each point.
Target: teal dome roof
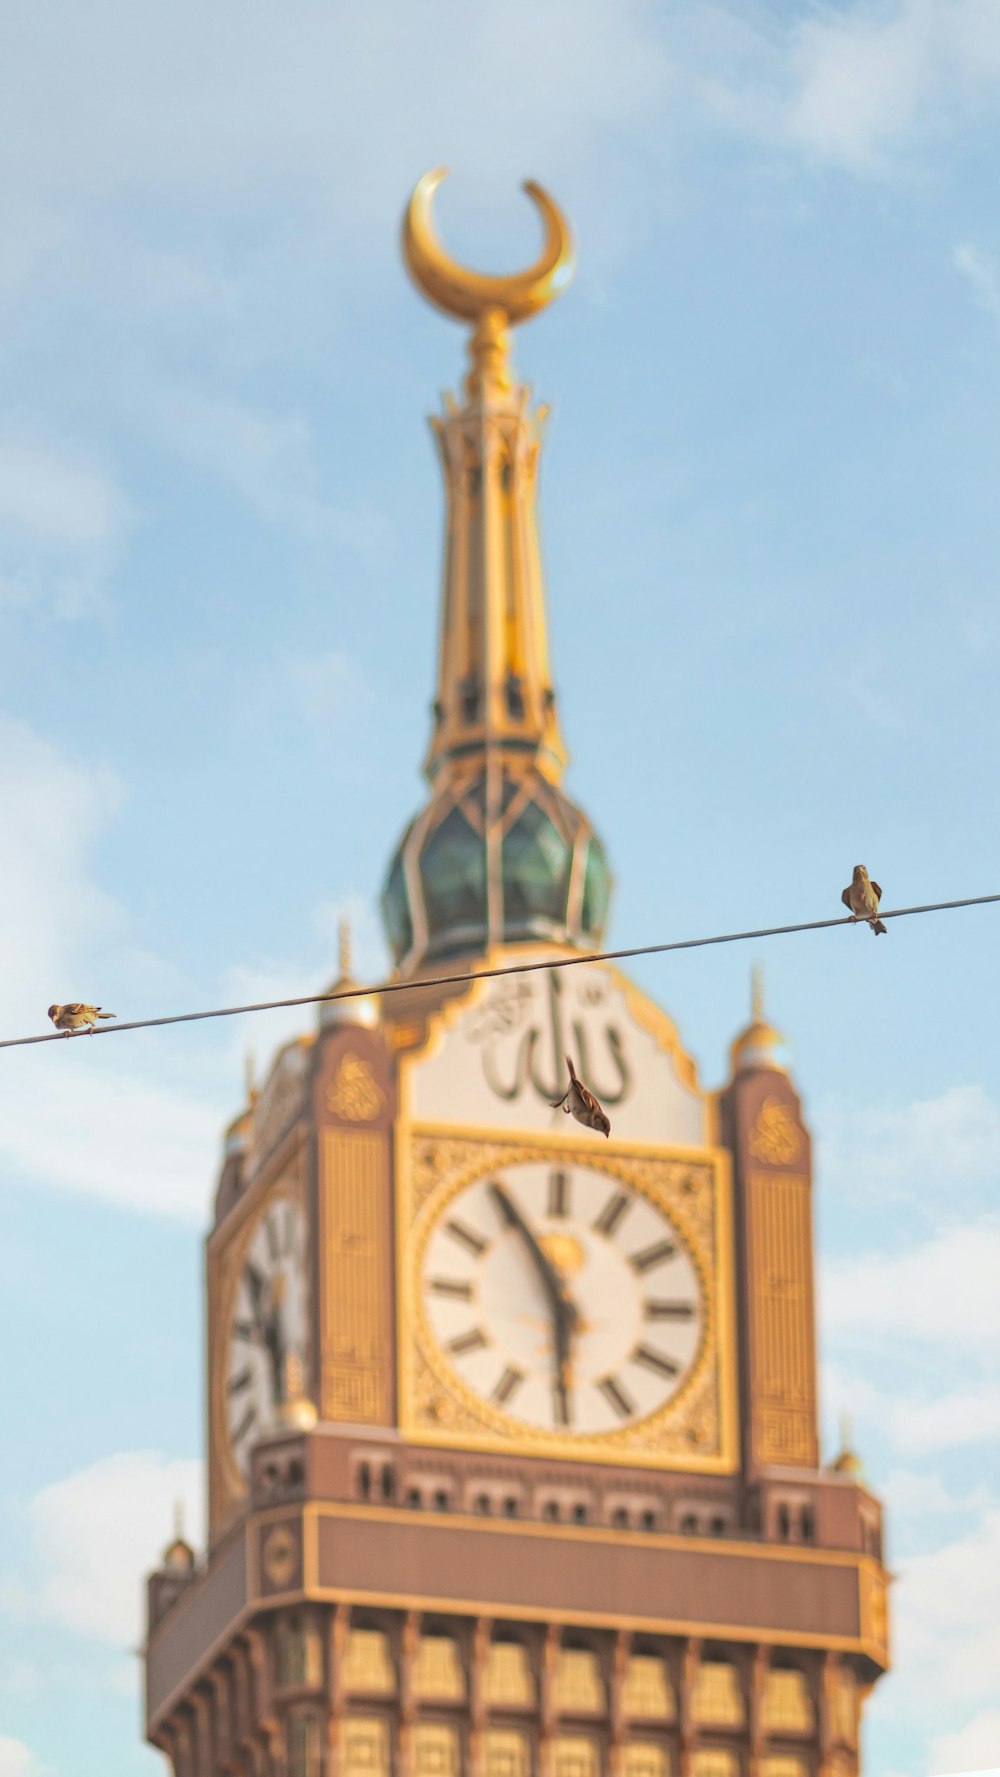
<point x="460" y="882"/>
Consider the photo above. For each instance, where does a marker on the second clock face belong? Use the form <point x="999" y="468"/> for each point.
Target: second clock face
<point x="268" y="1333"/>
<point x="562" y="1298"/>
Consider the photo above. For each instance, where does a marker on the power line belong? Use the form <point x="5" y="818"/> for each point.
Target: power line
<point x="558" y="962"/>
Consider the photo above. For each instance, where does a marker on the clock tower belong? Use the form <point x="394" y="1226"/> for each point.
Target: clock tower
<point x="512" y="1429"/>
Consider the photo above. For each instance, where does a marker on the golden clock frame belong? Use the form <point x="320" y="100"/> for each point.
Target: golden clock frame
<point x="477" y="1427"/>
<point x="283" y="1177"/>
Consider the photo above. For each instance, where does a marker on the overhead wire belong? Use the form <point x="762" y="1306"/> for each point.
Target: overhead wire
<point x="381" y="990"/>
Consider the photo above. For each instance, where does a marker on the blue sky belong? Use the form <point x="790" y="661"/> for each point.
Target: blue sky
<point x="771" y="479"/>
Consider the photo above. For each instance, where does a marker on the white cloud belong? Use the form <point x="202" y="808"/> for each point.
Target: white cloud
<point x="982" y="274"/>
<point x="941" y="1293"/>
<point x="936" y="1148"/>
<point x="89" y="1124"/>
<point x="974" y="1747"/>
<point x="910" y="1494"/>
<point x="93" y="1538"/>
<point x="268" y="459"/>
<point x="866" y="77"/>
<point x="214" y="101"/>
<point x="52" y="811"/>
<point x="17" y="1760"/>
<point x="946" y="1621"/>
<point x="62" y="524"/>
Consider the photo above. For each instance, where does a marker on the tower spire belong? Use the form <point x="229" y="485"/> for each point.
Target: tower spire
<point x="494" y="686"/>
<point x="499" y="854"/>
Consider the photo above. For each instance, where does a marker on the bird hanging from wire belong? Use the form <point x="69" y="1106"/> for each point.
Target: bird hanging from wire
<point x="75" y="1016"/>
<point x="861" y="898"/>
<point x="579" y="1101"/>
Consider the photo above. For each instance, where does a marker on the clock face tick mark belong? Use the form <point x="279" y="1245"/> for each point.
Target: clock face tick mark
<point x="652" y="1255"/>
<point x="473" y="1243"/>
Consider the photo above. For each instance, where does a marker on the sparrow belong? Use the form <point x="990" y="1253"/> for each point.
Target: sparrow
<point x="582" y="1103"/>
<point x="862" y="897"/>
<point x="77" y="1016"/>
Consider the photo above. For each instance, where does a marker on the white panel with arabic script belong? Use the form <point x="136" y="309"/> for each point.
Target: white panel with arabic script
<point x="501" y="1061"/>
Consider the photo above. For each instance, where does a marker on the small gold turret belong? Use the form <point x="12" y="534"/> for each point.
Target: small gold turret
<point x="179" y="1558"/>
<point x="759" y="1045"/>
<point x="847" y="1461"/>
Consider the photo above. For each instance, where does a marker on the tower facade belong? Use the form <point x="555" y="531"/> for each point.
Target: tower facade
<point x="454" y="1525"/>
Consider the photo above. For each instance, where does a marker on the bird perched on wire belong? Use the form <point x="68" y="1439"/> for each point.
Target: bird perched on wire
<point x="579" y="1101"/>
<point x="76" y="1016"/>
<point x="861" y="898"/>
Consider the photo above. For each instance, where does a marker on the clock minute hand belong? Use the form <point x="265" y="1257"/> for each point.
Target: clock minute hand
<point x="564" y="1311"/>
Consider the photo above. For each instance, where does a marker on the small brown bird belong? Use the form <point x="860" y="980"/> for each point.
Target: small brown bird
<point x="579" y="1100"/>
<point x="862" y="897"/>
<point x="77" y="1016"/>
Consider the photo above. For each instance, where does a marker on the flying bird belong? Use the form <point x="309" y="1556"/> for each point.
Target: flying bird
<point x="77" y="1016"/>
<point x="861" y="898"/>
<point x="580" y="1101"/>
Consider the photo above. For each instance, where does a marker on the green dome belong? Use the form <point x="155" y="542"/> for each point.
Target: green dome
<point x="459" y="883"/>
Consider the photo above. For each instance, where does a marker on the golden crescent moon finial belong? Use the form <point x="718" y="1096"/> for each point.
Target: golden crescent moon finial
<point x="469" y="294"/>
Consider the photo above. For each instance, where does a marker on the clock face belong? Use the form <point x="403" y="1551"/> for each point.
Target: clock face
<point x="268" y="1332"/>
<point x="562" y="1298"/>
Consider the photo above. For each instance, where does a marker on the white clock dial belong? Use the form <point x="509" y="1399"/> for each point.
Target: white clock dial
<point x="268" y="1332"/>
<point x="562" y="1298"/>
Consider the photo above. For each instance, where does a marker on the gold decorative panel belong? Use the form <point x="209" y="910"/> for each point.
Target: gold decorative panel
<point x="783" y="1766"/>
<point x="844" y="1707"/>
<point x="718" y="1699"/>
<point x="642" y="1758"/>
<point x="714" y="1761"/>
<point x="783" y="1334"/>
<point x="775" y="1137"/>
<point x="354" y="1234"/>
<point x="506" y="1754"/>
<point x="575" y="1756"/>
<point x="367" y="1663"/>
<point x="436" y="1750"/>
<point x="647" y="1693"/>
<point x="364" y="1747"/>
<point x="437" y="1670"/>
<point x="787" y="1706"/>
<point x="354" y="1092"/>
<point x="577" y="1685"/>
<point x="508" y="1677"/>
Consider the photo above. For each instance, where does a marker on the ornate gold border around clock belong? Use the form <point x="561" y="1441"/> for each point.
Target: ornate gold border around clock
<point x="480" y="1427"/>
<point x="227" y="1263"/>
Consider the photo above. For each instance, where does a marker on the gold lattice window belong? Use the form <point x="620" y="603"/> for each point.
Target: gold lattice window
<point x="507" y="1754"/>
<point x="304" y="1744"/>
<point x="436" y="1751"/>
<point x="437" y="1670"/>
<point x="787" y="1706"/>
<point x="508" y="1678"/>
<point x="782" y="1766"/>
<point x="844" y="1707"/>
<point x="648" y="1693"/>
<point x="578" y="1684"/>
<point x="367" y="1662"/>
<point x="364" y="1746"/>
<point x="573" y="1755"/>
<point x="640" y="1758"/>
<point x="718" y="1699"/>
<point x="714" y="1761"/>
